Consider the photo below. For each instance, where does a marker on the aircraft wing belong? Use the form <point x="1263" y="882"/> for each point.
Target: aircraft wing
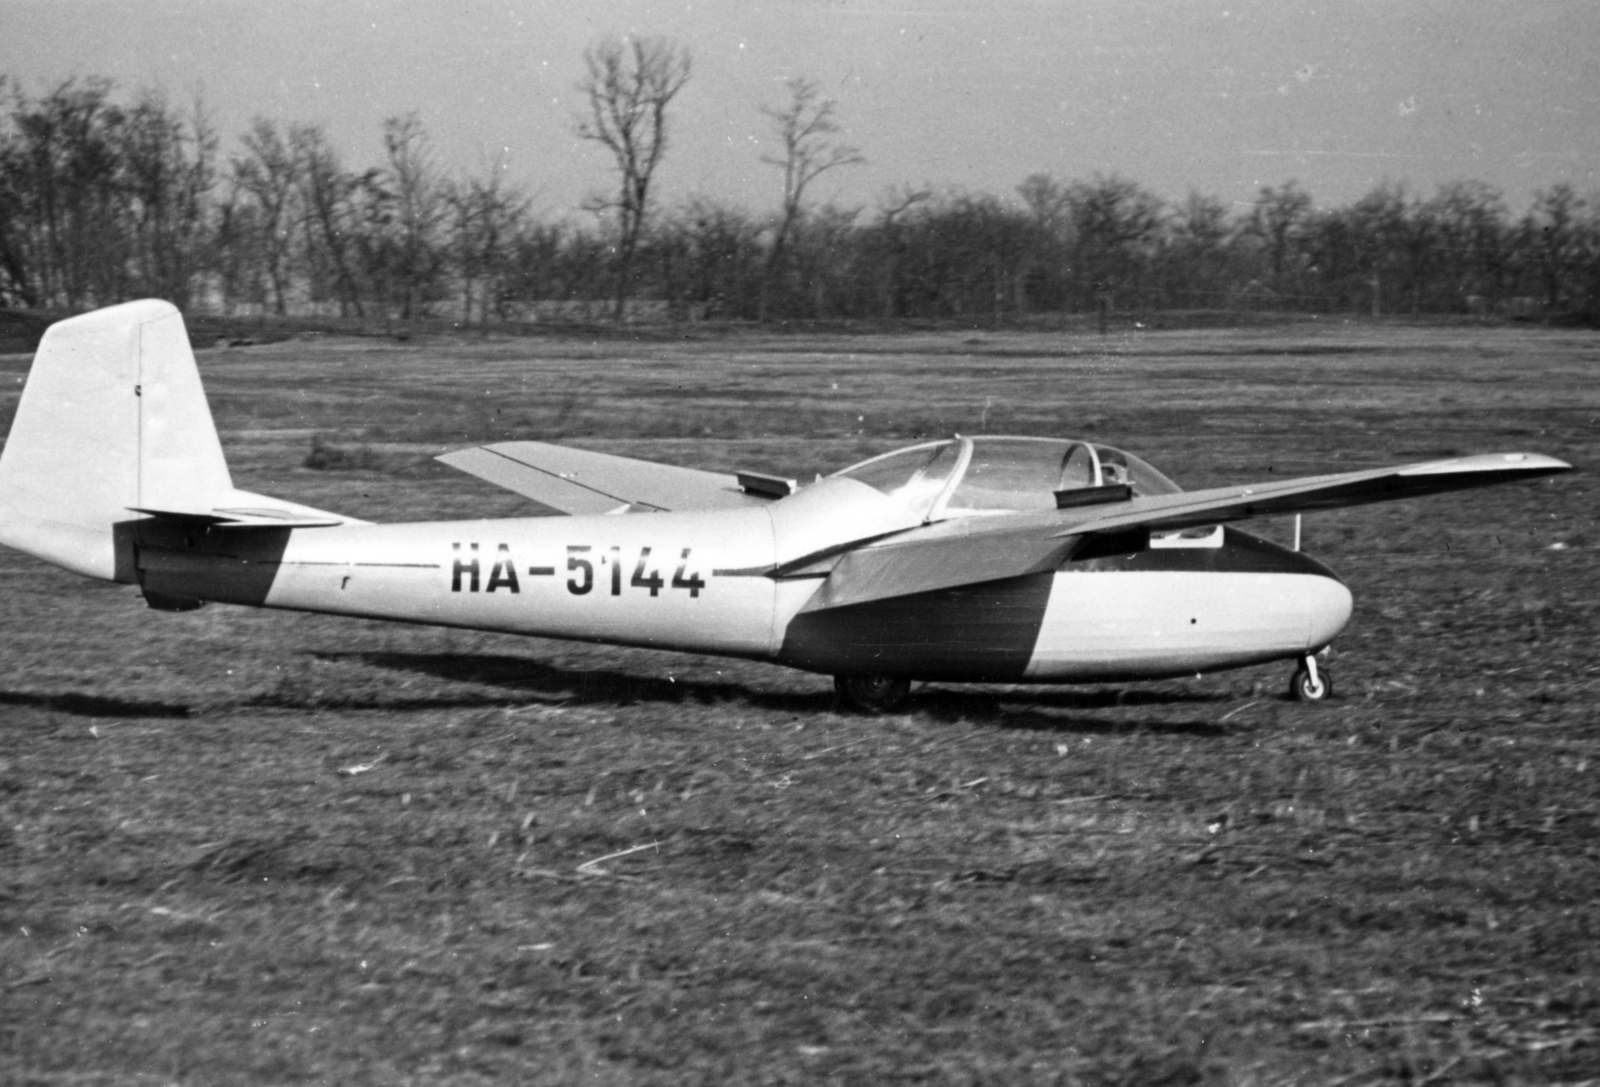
<point x="1188" y="509"/>
<point x="578" y="481"/>
<point x="969" y="550"/>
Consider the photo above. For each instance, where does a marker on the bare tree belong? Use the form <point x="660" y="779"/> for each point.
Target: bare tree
<point x="1470" y="219"/>
<point x="1115" y="223"/>
<point x="629" y="85"/>
<point x="1049" y="208"/>
<point x="1385" y="233"/>
<point x="1279" y="219"/>
<point x="168" y="174"/>
<point x="488" y="214"/>
<point x="412" y="179"/>
<point x="262" y="206"/>
<point x="888" y="242"/>
<point x="330" y="217"/>
<point x="963" y="253"/>
<point x="718" y="261"/>
<point x="829" y="260"/>
<point x="805" y="128"/>
<point x="67" y="157"/>
<point x="1195" y="252"/>
<point x="1553" y="229"/>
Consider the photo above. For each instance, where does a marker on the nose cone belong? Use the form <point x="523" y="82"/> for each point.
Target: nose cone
<point x="1328" y="605"/>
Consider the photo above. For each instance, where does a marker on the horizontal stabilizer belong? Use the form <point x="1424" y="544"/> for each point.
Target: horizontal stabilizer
<point x="245" y="510"/>
<point x="578" y="481"/>
<point x="245" y="518"/>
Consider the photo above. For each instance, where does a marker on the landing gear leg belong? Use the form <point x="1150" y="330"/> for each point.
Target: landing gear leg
<point x="872" y="694"/>
<point x="1310" y="683"/>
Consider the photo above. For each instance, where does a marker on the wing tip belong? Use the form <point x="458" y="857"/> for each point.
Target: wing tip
<point x="1520" y="463"/>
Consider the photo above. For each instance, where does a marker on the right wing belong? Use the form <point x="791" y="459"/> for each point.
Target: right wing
<point x="1190" y="509"/>
<point x="578" y="481"/>
<point x="969" y="550"/>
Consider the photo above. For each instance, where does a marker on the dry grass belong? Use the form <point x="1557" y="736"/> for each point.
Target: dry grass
<point x="242" y="847"/>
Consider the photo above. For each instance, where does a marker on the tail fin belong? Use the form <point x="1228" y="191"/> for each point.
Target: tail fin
<point x="113" y="424"/>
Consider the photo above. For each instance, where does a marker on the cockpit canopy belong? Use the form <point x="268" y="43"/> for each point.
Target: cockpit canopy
<point x="987" y="475"/>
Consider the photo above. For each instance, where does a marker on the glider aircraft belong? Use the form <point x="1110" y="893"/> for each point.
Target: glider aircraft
<point x="987" y="559"/>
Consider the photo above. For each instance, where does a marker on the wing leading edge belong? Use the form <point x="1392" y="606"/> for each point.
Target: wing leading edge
<point x="578" y="481"/>
<point x="1189" y="509"/>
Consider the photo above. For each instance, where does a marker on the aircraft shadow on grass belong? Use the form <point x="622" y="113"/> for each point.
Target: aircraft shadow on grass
<point x="1046" y="710"/>
<point x="533" y="680"/>
<point x="87" y="705"/>
<point x="527" y="680"/>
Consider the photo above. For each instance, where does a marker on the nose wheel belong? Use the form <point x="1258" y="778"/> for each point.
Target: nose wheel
<point x="872" y="694"/>
<point x="1309" y="682"/>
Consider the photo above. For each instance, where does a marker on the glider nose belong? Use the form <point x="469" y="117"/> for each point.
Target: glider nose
<point x="1328" y="607"/>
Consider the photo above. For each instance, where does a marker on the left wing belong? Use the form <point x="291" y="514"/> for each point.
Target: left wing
<point x="578" y="481"/>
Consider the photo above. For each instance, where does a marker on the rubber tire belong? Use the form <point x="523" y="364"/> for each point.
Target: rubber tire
<point x="872" y="694"/>
<point x="1301" y="690"/>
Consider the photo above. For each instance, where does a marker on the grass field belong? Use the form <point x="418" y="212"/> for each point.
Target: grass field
<point x="244" y="847"/>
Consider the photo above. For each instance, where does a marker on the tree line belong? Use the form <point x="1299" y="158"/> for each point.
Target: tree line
<point x="105" y="198"/>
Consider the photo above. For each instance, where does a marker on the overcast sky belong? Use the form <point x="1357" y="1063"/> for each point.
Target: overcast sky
<point x="1222" y="96"/>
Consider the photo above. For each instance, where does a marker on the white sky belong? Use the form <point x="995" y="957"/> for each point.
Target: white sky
<point x="1218" y="95"/>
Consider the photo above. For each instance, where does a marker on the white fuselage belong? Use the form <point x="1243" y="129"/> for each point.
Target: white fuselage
<point x="703" y="582"/>
<point x="1113" y="624"/>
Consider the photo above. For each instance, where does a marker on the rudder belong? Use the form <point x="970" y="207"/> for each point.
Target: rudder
<point x="113" y="419"/>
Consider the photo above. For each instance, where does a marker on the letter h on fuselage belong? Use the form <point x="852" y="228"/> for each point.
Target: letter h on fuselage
<point x="469" y="568"/>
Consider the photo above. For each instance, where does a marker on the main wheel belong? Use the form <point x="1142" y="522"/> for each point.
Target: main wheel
<point x="872" y="694"/>
<point x="1303" y="688"/>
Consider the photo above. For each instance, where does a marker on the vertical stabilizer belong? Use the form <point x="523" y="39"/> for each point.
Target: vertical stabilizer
<point x="180" y="456"/>
<point x="112" y="419"/>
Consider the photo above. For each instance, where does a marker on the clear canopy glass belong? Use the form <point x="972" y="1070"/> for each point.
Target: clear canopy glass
<point x="1001" y="475"/>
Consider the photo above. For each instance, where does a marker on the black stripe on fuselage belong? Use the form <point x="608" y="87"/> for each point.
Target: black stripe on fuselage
<point x="175" y="562"/>
<point x="987" y="632"/>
